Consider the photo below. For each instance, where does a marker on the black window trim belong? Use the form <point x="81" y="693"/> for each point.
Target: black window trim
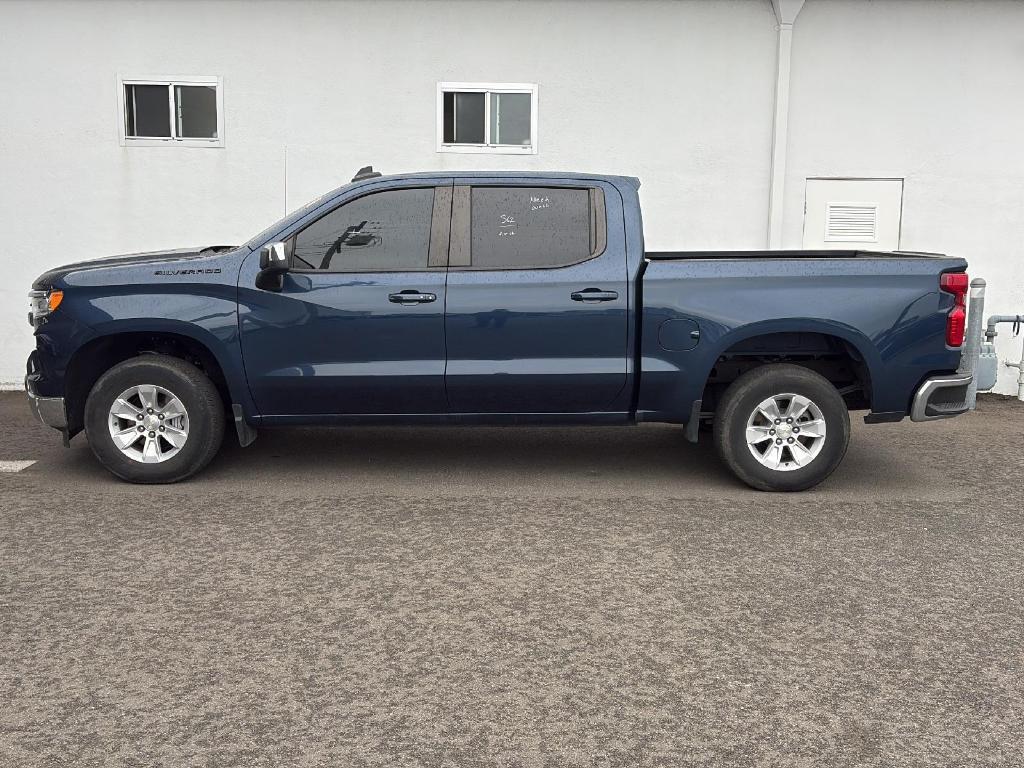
<point x="440" y="229"/>
<point x="460" y="257"/>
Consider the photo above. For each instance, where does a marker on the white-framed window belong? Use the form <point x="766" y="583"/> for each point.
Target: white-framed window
<point x="160" y="111"/>
<point x="495" y="118"/>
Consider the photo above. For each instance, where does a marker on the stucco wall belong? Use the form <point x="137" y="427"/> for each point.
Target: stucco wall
<point x="679" y="93"/>
<point x="676" y="93"/>
<point x="930" y="92"/>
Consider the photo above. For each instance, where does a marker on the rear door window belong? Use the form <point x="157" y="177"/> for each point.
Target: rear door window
<point x="534" y="227"/>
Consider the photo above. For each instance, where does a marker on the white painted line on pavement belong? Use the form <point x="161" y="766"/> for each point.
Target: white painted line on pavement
<point x="14" y="466"/>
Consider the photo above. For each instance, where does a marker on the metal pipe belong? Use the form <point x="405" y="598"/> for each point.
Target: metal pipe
<point x="990" y="330"/>
<point x="972" y="343"/>
<point x="990" y="334"/>
<point x="1020" y="374"/>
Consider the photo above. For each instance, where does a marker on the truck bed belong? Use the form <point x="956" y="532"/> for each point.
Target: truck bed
<point x="887" y="307"/>
<point x="821" y="254"/>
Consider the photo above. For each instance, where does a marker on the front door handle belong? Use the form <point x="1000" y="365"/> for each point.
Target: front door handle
<point x="410" y="296"/>
<point x="594" y="294"/>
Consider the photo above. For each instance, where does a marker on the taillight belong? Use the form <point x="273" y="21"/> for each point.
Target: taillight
<point x="956" y="283"/>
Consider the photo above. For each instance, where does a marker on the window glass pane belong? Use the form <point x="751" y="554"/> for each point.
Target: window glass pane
<point x="386" y="231"/>
<point x="448" y="134"/>
<point x="197" y="111"/>
<point x="510" y="119"/>
<point x="147" y="112"/>
<point x="517" y="227"/>
<point x="469" y="118"/>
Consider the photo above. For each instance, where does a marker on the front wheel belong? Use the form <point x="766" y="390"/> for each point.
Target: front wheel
<point x="154" y="419"/>
<point x="782" y="428"/>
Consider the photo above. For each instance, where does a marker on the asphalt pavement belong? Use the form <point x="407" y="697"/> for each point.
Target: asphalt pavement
<point x="515" y="596"/>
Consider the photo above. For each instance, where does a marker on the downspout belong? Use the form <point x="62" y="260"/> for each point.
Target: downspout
<point x="785" y="13"/>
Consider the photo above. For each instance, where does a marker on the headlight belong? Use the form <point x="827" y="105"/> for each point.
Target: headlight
<point x="42" y="303"/>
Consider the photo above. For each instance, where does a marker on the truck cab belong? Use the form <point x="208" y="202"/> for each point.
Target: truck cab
<point x="425" y="295"/>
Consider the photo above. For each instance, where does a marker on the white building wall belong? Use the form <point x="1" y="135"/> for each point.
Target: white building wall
<point x="678" y="92"/>
<point x="929" y="92"/>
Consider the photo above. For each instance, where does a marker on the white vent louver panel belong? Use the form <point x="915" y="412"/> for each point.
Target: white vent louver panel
<point x="851" y="222"/>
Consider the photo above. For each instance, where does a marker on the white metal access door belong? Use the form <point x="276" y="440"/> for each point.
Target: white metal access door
<point x="847" y="214"/>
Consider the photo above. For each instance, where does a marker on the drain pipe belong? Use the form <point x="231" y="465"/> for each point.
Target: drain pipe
<point x="785" y="14"/>
<point x="989" y="350"/>
<point x="972" y="342"/>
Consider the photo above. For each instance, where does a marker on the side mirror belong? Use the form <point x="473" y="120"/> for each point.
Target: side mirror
<point x="274" y="258"/>
<point x="274" y="262"/>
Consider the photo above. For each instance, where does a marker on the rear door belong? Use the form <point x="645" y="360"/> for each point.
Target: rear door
<point x="358" y="326"/>
<point x="536" y="315"/>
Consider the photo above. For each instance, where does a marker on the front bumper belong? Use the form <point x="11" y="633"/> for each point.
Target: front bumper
<point x="49" y="410"/>
<point x="941" y="397"/>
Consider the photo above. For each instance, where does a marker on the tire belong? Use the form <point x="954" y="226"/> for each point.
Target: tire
<point x="196" y="411"/>
<point x="781" y="455"/>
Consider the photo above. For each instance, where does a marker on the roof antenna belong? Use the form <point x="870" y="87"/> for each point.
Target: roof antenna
<point x="366" y="172"/>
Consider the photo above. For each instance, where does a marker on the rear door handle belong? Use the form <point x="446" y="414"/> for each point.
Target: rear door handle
<point x="594" y="294"/>
<point x="411" y="297"/>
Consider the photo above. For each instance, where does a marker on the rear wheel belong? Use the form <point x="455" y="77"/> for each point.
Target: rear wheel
<point x="782" y="428"/>
<point x="154" y="419"/>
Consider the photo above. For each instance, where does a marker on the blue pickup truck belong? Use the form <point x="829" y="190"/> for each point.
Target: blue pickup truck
<point x="503" y="298"/>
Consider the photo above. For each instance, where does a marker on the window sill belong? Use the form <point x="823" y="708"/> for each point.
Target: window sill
<point x="484" y="149"/>
<point x="130" y="142"/>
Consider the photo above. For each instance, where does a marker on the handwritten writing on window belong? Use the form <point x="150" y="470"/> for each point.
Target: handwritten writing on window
<point x="537" y="202"/>
<point x="507" y="225"/>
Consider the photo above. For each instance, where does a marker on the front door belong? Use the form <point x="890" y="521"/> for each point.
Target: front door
<point x="536" y="318"/>
<point x="358" y="325"/>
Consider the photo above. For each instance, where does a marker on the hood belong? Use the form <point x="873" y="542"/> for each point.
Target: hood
<point x="48" y="278"/>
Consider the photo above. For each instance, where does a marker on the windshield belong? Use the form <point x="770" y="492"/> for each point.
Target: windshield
<point x="288" y="220"/>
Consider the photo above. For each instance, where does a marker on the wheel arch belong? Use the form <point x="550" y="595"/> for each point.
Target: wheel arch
<point x="106" y="350"/>
<point x="799" y="341"/>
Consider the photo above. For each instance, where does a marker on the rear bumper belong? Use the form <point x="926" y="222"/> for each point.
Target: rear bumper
<point x="941" y="397"/>
<point x="49" y="410"/>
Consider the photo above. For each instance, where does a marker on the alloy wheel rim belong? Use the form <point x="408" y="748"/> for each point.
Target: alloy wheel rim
<point x="148" y="424"/>
<point x="785" y="432"/>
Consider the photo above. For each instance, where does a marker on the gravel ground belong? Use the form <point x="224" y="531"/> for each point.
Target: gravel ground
<point x="515" y="597"/>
